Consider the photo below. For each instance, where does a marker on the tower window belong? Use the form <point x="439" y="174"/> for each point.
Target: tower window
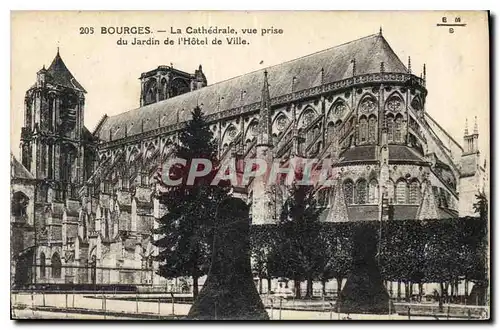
<point x="42" y="265"/>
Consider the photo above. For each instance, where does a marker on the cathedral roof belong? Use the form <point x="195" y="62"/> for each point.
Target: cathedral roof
<point x="397" y="153"/>
<point x="336" y="62"/>
<point x="61" y="75"/>
<point x="359" y="153"/>
<point x="18" y="171"/>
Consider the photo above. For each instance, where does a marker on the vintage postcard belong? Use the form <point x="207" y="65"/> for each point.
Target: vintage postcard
<point x="250" y="165"/>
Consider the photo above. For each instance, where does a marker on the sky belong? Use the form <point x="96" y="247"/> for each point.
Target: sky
<point x="457" y="63"/>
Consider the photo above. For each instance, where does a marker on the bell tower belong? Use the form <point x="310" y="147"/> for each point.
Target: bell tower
<point x="51" y="139"/>
<point x="166" y="82"/>
<point x="471" y="172"/>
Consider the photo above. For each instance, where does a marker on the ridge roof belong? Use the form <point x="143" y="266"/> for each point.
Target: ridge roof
<point x="368" y="52"/>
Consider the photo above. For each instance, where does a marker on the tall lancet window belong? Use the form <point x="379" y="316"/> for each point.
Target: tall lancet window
<point x="401" y="192"/>
<point x="390" y="191"/>
<point x="363" y="129"/>
<point x="348" y="191"/>
<point x="42" y="265"/>
<point x="27" y="118"/>
<point x="361" y="192"/>
<point x="390" y="128"/>
<point x="398" y="129"/>
<point x="372" y="129"/>
<point x="56" y="265"/>
<point x="373" y="192"/>
<point x="414" y="192"/>
<point x="50" y="114"/>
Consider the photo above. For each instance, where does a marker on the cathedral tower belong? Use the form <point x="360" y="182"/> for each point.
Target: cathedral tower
<point x="166" y="82"/>
<point x="52" y="136"/>
<point x="471" y="172"/>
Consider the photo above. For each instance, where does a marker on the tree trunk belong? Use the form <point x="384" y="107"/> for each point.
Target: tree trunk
<point x="339" y="285"/>
<point x="195" y="286"/>
<point x="296" y="287"/>
<point x="268" y="285"/>
<point x="323" y="287"/>
<point x="466" y="285"/>
<point x="260" y="285"/>
<point x="399" y="290"/>
<point x="441" y="287"/>
<point x="446" y="286"/>
<point x="309" y="288"/>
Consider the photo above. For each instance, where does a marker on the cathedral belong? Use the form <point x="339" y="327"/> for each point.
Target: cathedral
<point x="84" y="202"/>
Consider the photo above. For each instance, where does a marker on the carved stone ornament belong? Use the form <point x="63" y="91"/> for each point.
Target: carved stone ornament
<point x="231" y="132"/>
<point x="253" y="128"/>
<point x="368" y="105"/>
<point x="339" y="109"/>
<point x="281" y="123"/>
<point x="394" y="104"/>
<point x="308" y="117"/>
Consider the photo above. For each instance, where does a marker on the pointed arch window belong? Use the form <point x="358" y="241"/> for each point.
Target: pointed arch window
<point x="390" y="128"/>
<point x="390" y="191"/>
<point x="28" y="117"/>
<point x="373" y="192"/>
<point x="43" y="267"/>
<point x="106" y="223"/>
<point x="50" y="114"/>
<point x="361" y="192"/>
<point x="43" y="158"/>
<point x="19" y="204"/>
<point x="398" y="129"/>
<point x="414" y="192"/>
<point x="363" y="129"/>
<point x="348" y="187"/>
<point x="56" y="265"/>
<point x="401" y="192"/>
<point x="163" y="85"/>
<point x="372" y="129"/>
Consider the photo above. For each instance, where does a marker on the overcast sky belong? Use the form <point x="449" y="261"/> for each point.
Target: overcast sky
<point x="457" y="63"/>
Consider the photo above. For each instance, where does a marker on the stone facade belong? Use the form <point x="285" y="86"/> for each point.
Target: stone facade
<point x="93" y="195"/>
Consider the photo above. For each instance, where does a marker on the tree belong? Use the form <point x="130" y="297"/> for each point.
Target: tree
<point x="481" y="205"/>
<point x="262" y="238"/>
<point x="338" y="253"/>
<point x="186" y="231"/>
<point x="480" y="247"/>
<point x="299" y="251"/>
<point x="401" y="252"/>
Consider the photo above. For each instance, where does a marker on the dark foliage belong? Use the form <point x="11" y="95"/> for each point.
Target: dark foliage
<point x="187" y="229"/>
<point x="299" y="250"/>
<point x="229" y="292"/>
